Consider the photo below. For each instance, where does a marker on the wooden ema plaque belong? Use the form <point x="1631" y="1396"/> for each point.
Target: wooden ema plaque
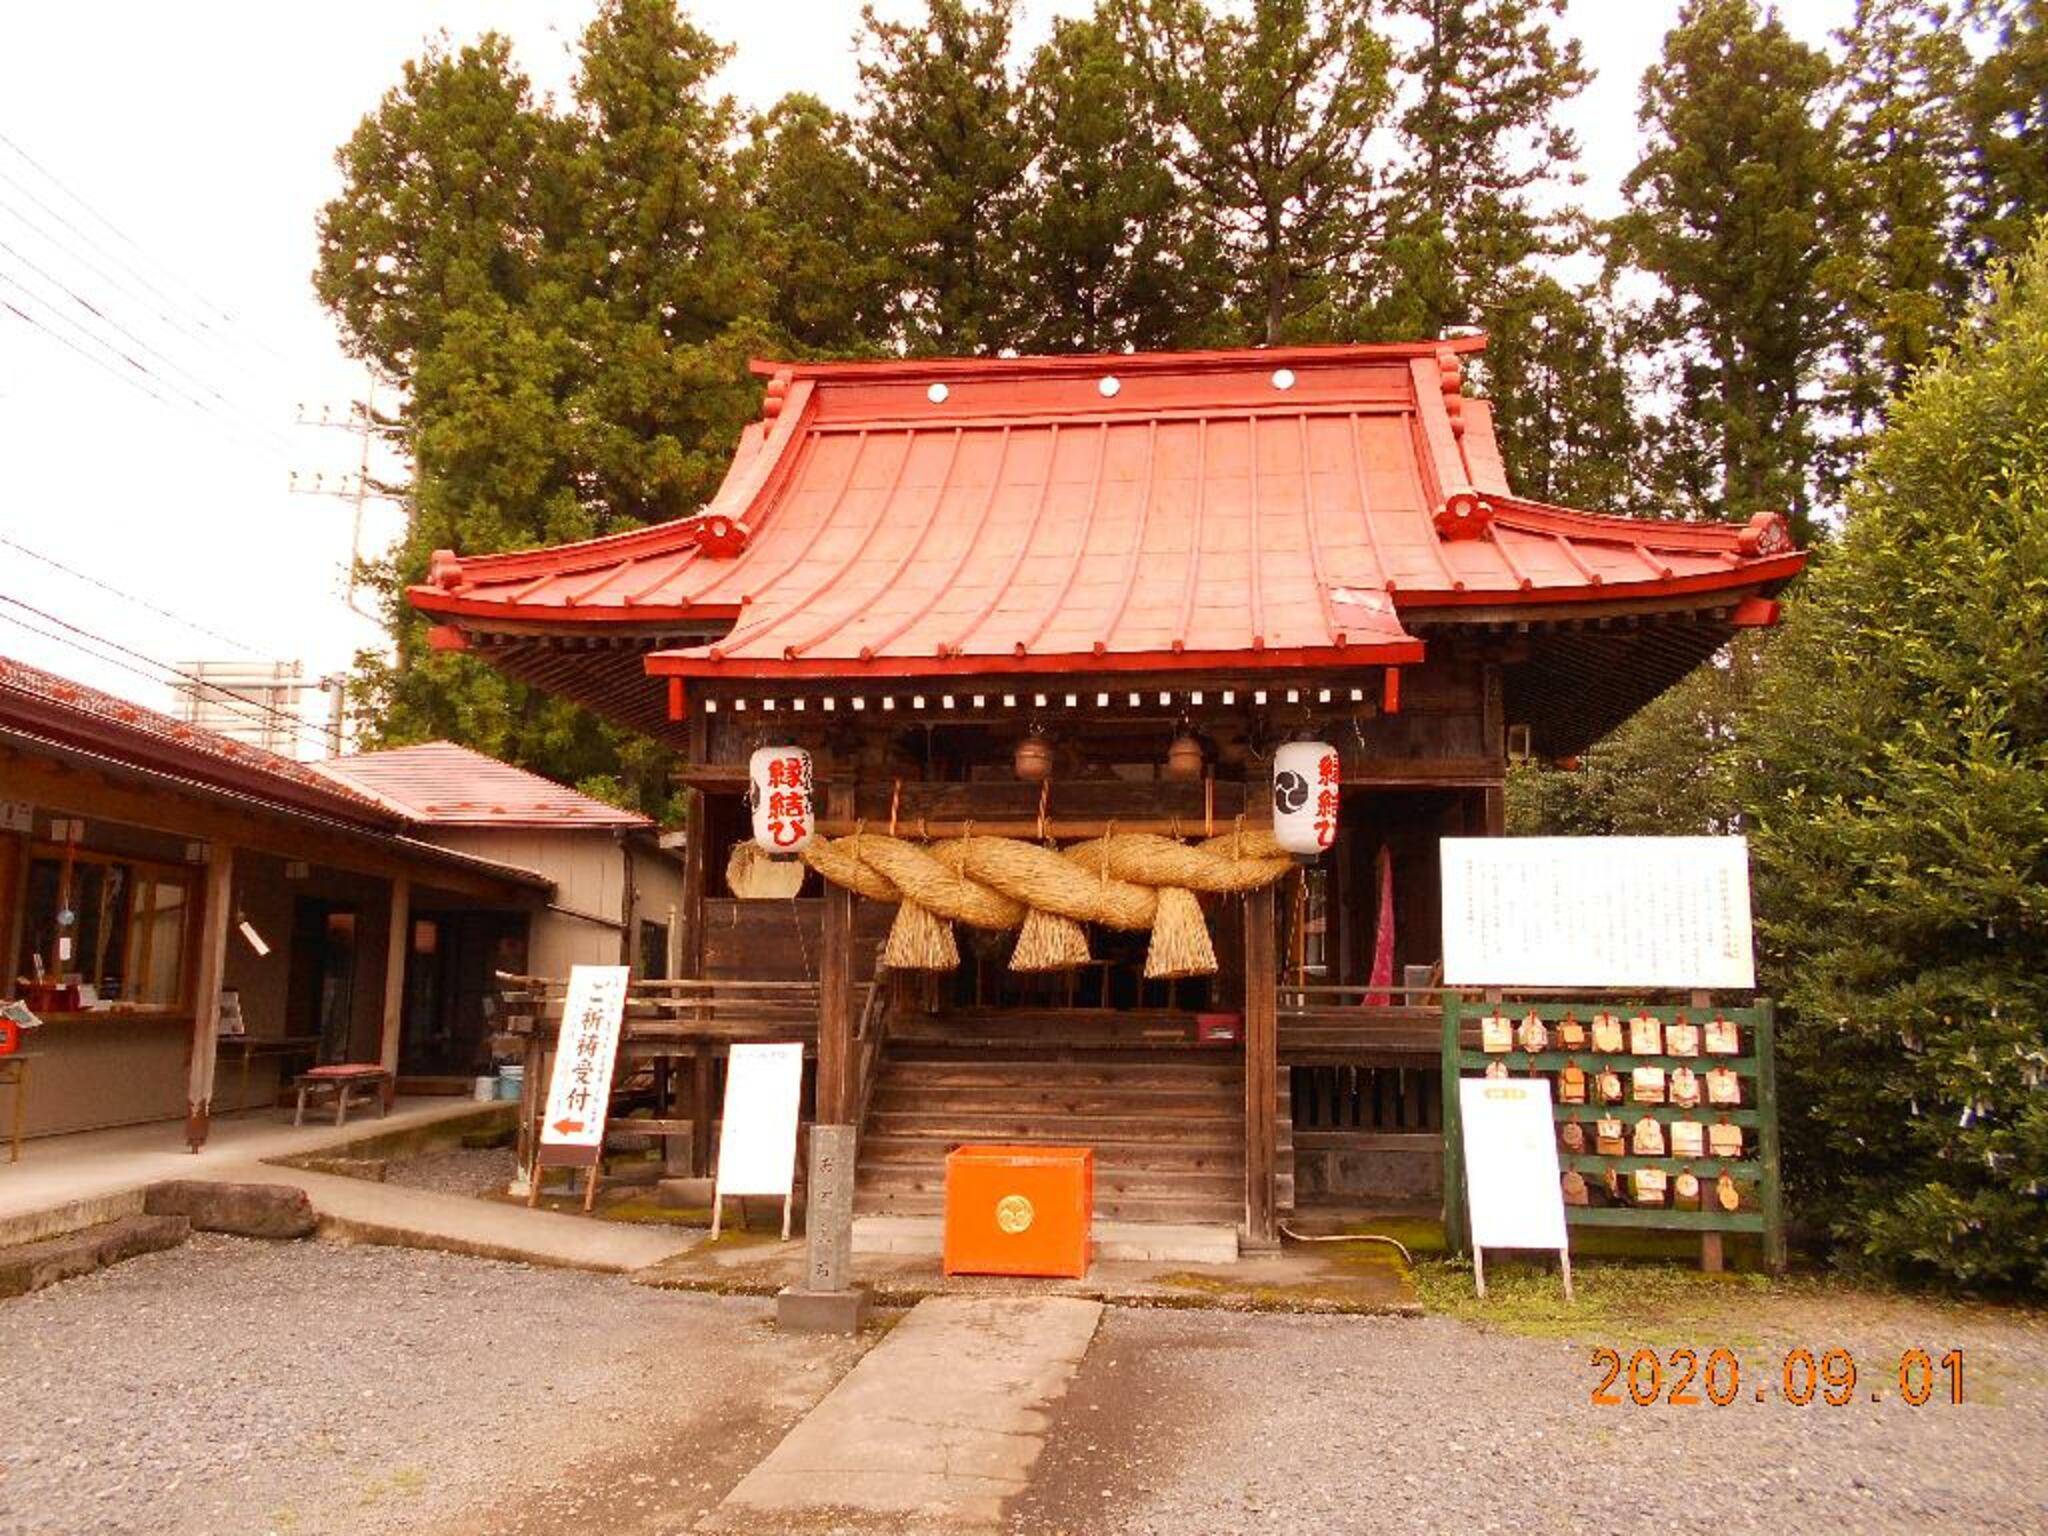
<point x="1707" y="1129"/>
<point x="1019" y="1211"/>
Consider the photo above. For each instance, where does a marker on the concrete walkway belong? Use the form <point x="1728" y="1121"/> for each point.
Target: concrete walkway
<point x="363" y="1211"/>
<point x="66" y="1182"/>
<point x="939" y="1424"/>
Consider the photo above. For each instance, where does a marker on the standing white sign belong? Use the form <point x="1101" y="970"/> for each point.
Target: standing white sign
<point x="1597" y="912"/>
<point x="1512" y="1186"/>
<point x="580" y="1091"/>
<point x="757" y="1136"/>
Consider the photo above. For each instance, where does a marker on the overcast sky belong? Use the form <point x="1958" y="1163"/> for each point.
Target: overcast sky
<point x="164" y="164"/>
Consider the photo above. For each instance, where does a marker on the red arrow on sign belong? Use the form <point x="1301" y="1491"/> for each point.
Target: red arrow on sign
<point x="566" y="1126"/>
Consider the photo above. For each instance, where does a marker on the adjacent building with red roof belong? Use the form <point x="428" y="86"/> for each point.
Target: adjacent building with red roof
<point x="158" y="880"/>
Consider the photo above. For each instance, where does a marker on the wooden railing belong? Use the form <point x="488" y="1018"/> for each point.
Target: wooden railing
<point x="662" y="1012"/>
<point x="870" y="1034"/>
<point x="1336" y="1024"/>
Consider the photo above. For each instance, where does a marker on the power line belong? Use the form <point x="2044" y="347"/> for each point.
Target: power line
<point x="230" y="699"/>
<point x="115" y="661"/>
<point x="128" y="597"/>
<point x="162" y="312"/>
<point x="176" y="396"/>
<point x="98" y="362"/>
<point x="128" y="240"/>
<point x="168" y="361"/>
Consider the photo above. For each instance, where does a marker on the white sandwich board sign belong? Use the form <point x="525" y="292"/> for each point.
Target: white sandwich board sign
<point x="1597" y="912"/>
<point x="580" y="1088"/>
<point x="1511" y="1172"/>
<point x="757" y="1134"/>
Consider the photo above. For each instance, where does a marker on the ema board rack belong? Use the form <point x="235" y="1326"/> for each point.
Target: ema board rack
<point x="1667" y="1114"/>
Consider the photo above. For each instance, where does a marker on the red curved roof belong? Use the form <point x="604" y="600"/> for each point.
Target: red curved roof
<point x="1141" y="512"/>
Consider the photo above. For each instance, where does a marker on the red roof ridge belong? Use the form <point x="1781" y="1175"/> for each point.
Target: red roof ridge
<point x="1065" y="364"/>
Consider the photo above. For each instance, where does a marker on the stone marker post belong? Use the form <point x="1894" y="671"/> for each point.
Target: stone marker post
<point x="827" y="1301"/>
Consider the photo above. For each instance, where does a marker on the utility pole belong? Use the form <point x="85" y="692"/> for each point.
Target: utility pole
<point x="359" y="422"/>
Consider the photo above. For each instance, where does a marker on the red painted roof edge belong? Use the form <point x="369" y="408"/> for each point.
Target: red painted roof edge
<point x="756" y="470"/>
<point x="1737" y="578"/>
<point x="1356" y="653"/>
<point x="1065" y="364"/>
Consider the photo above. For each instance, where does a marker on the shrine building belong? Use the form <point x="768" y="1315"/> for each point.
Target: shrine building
<point x="1027" y="647"/>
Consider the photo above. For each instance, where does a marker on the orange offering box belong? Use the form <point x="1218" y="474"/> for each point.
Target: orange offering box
<point x="1019" y="1210"/>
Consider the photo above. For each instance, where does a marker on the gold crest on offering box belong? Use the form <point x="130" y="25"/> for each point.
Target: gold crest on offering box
<point x="1606" y="1032"/>
<point x="1681" y="1039"/>
<point x="1649" y="1137"/>
<point x="1647" y="1085"/>
<point x="1722" y="1039"/>
<point x="1688" y="1138"/>
<point x="1496" y="1033"/>
<point x="1645" y="1035"/>
<point x="1723" y="1087"/>
<point x="1607" y="1139"/>
<point x="1532" y="1035"/>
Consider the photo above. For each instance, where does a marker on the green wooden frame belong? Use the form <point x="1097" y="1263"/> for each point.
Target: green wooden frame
<point x="1759" y="1112"/>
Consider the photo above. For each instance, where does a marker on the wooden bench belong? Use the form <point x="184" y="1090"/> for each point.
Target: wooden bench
<point x="350" y="1083"/>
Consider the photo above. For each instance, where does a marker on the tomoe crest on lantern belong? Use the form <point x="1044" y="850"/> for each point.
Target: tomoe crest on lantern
<point x="779" y="789"/>
<point x="1307" y="780"/>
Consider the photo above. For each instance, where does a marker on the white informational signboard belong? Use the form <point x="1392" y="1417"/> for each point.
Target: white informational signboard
<point x="757" y="1136"/>
<point x="1597" y="912"/>
<point x="580" y="1091"/>
<point x="1512" y="1191"/>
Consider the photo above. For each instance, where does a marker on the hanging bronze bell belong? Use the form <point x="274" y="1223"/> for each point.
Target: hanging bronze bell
<point x="1033" y="761"/>
<point x="1184" y="759"/>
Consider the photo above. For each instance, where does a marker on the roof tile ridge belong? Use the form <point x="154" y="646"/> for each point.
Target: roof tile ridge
<point x="1083" y="363"/>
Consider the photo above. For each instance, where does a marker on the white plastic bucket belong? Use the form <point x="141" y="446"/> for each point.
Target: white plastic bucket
<point x="485" y="1090"/>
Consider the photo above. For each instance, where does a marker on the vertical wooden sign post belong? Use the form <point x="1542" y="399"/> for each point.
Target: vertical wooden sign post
<point x="580" y="1089"/>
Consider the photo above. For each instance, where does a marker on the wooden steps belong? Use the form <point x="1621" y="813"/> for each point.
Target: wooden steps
<point x="1166" y="1124"/>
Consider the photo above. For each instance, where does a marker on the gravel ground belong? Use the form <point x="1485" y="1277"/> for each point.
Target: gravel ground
<point x="475" y="1172"/>
<point x="233" y="1387"/>
<point x="1217" y="1423"/>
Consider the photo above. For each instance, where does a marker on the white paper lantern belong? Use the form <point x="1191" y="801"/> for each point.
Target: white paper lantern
<point x="779" y="781"/>
<point x="1307" y="777"/>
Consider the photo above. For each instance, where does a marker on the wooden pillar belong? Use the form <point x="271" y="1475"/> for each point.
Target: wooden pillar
<point x="1261" y="1074"/>
<point x="835" y="988"/>
<point x="690" y="958"/>
<point x="13" y="908"/>
<point x="398" y="947"/>
<point x="215" y="915"/>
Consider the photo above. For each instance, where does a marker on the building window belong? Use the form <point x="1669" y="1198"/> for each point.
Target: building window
<point x="653" y="951"/>
<point x="114" y="926"/>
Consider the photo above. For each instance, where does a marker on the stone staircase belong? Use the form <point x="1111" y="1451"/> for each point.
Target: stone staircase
<point x="1164" y="1116"/>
